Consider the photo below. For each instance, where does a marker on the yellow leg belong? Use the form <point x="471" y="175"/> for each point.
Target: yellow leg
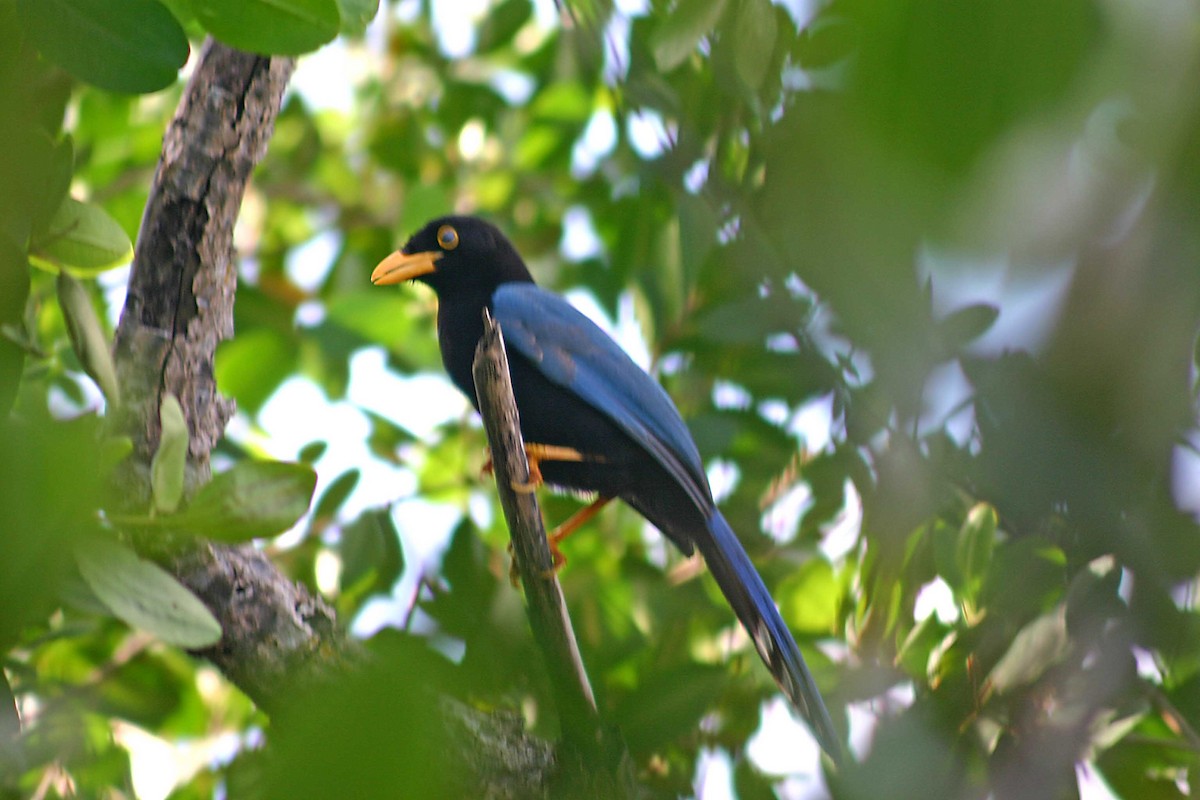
<point x="573" y="523"/>
<point x="556" y="537"/>
<point x="536" y="454"/>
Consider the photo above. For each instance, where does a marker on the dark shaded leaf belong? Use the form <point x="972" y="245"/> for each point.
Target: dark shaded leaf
<point x="967" y="324"/>
<point x="336" y="493"/>
<point x="371" y="556"/>
<point x="128" y="46"/>
<point x="272" y="27"/>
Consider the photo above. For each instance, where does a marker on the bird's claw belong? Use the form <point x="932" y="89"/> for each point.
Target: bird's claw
<point x="557" y="560"/>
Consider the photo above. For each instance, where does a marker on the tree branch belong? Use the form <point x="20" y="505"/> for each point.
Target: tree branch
<point x="595" y="761"/>
<point x="179" y="306"/>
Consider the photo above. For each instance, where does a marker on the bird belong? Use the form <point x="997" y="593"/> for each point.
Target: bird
<point x="594" y="422"/>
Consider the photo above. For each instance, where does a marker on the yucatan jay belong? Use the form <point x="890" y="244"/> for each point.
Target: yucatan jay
<point x="593" y="421"/>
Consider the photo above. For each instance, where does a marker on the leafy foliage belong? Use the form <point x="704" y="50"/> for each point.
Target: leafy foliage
<point x="847" y="216"/>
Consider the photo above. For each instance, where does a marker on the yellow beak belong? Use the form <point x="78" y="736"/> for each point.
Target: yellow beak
<point x="400" y="267"/>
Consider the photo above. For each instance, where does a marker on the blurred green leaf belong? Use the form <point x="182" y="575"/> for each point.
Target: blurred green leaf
<point x="312" y="452"/>
<point x="357" y="14"/>
<point x="167" y="466"/>
<point x="967" y="324"/>
<point x="81" y="238"/>
<point x="251" y="500"/>
<point x="679" y="33"/>
<point x="668" y="704"/>
<point x="1036" y="648"/>
<point x="127" y="46"/>
<point x="810" y="597"/>
<point x="273" y="27"/>
<point x="976" y="541"/>
<point x="371" y="556"/>
<point x="502" y="23"/>
<point x="375" y="755"/>
<point x="754" y="37"/>
<point x="335" y="494"/>
<point x="251" y="366"/>
<point x="144" y="596"/>
<point x="87" y="337"/>
<point x="14" y="290"/>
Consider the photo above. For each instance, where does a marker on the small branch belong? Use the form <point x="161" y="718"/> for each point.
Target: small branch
<point x="545" y="605"/>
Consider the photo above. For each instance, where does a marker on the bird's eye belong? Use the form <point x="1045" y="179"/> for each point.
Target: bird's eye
<point x="447" y="237"/>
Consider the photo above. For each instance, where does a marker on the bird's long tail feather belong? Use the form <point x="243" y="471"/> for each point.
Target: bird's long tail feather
<point x="750" y="600"/>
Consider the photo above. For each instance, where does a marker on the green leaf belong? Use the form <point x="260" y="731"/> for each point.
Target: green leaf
<point x="371" y="555"/>
<point x="336" y="493"/>
<point x="312" y="452"/>
<point x="252" y="500"/>
<point x="167" y="466"/>
<point x="128" y="46"/>
<point x="82" y="238"/>
<point x="502" y="24"/>
<point x="680" y="32"/>
<point x="967" y="324"/>
<point x="145" y="596"/>
<point x="808" y="599"/>
<point x="754" y="39"/>
<point x="89" y="341"/>
<point x="283" y="27"/>
<point x="1038" y="646"/>
<point x="976" y="540"/>
<point x="826" y="41"/>
<point x="920" y="643"/>
<point x="668" y="704"/>
<point x="251" y="366"/>
<point x="357" y="14"/>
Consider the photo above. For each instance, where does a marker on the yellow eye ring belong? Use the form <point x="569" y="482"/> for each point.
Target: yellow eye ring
<point x="447" y="237"/>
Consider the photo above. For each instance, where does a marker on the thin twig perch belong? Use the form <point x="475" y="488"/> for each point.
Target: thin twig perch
<point x="545" y="605"/>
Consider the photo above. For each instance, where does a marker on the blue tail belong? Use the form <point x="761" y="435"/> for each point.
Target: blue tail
<point x="750" y="600"/>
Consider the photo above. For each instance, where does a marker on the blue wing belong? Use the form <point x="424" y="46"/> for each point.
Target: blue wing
<point x="573" y="352"/>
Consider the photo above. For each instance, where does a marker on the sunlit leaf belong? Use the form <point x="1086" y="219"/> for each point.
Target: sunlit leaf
<point x="976" y="540"/>
<point x="810" y="597"/>
<point x="167" y="466"/>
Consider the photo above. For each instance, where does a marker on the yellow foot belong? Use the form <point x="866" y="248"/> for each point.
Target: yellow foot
<point x="536" y="454"/>
<point x="558" y="559"/>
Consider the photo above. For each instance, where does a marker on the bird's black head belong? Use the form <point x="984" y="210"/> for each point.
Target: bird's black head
<point x="455" y="254"/>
